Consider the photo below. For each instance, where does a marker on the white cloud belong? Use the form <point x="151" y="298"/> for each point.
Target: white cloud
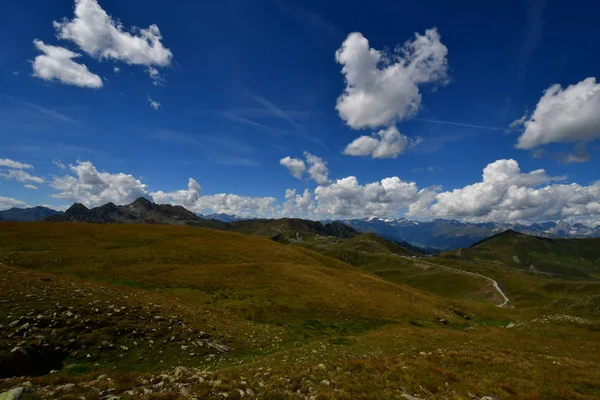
<point x="218" y="203"/>
<point x="387" y="143"/>
<point x="186" y="198"/>
<point x="317" y="168"/>
<point x="508" y="195"/>
<point x="97" y="34"/>
<point x="238" y="205"/>
<point x="57" y="64"/>
<point x="294" y="165"/>
<point x="346" y="197"/>
<point x="5" y="162"/>
<point x="88" y="186"/>
<point x="154" y="104"/>
<point x="9" y="202"/>
<point x="563" y="115"/>
<point x="382" y="89"/>
<point x="59" y="164"/>
<point x="21" y="176"/>
<point x="157" y="80"/>
<point x="505" y="194"/>
<point x="30" y="186"/>
<point x="116" y="70"/>
<point x="298" y="206"/>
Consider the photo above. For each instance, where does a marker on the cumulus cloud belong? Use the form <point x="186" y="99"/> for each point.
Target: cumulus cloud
<point x="30" y="186"/>
<point x="563" y="115"/>
<point x="317" y="168"/>
<point x="186" y="198"/>
<point x="508" y="195"/>
<point x="297" y="205"/>
<point x="346" y="197"/>
<point x="238" y="205"/>
<point x="218" y="203"/>
<point x="21" y="176"/>
<point x="386" y="143"/>
<point x="57" y="64"/>
<point x="154" y="104"/>
<point x="294" y="165"/>
<point x="9" y="202"/>
<point x="88" y="186"/>
<point x="382" y="89"/>
<point x="504" y="194"/>
<point x="99" y="35"/>
<point x="5" y="162"/>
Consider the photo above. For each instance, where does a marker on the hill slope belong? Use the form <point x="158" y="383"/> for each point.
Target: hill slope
<point x="164" y="311"/>
<point x="291" y="229"/>
<point x="252" y="277"/>
<point x="569" y="258"/>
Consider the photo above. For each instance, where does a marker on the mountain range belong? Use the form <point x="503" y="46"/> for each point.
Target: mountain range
<point x="425" y="236"/>
<point x="140" y="211"/>
<point x="444" y="234"/>
<point x="27" y="214"/>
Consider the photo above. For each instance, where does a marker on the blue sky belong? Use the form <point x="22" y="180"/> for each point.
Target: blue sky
<point x="239" y="86"/>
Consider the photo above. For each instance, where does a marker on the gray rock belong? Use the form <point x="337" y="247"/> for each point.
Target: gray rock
<point x="13" y="394"/>
<point x="409" y="397"/>
<point x="66" y="387"/>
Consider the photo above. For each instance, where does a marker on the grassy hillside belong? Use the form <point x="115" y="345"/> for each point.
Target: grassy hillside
<point x="254" y="277"/>
<point x="567" y="258"/>
<point x="398" y="264"/>
<point x="172" y="312"/>
<point x="292" y="228"/>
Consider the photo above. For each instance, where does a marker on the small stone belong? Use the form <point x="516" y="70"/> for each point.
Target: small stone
<point x="409" y="397"/>
<point x="66" y="387"/>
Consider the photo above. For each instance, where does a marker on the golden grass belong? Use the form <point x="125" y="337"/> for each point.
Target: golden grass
<point x="299" y="324"/>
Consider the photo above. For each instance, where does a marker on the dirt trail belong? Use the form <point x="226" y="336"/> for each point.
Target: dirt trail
<point x="460" y="271"/>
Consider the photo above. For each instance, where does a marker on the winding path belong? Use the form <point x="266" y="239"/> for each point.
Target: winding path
<point x="460" y="271"/>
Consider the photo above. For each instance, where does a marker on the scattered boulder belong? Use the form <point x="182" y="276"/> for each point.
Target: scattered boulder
<point x="14" y="394"/>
